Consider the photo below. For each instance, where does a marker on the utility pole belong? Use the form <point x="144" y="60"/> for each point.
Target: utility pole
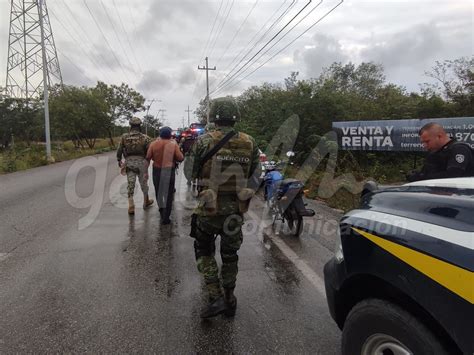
<point x="188" y="111"/>
<point x="206" y="68"/>
<point x="45" y="85"/>
<point x="162" y="115"/>
<point x="146" y="116"/>
<point x="32" y="61"/>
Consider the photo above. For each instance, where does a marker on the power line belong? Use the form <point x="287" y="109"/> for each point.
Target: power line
<point x="116" y="35"/>
<point x="88" y="39"/>
<point x="139" y="42"/>
<point x="131" y="47"/>
<point x="257" y="42"/>
<point x="92" y="60"/>
<point x="290" y="43"/>
<point x="69" y="59"/>
<point x="206" y="68"/>
<point x="106" y="41"/>
<point x="221" y="27"/>
<point x="201" y="58"/>
<point x="237" y="32"/>
<point x="127" y="36"/>
<point x="275" y="43"/>
<point x="258" y="32"/>
<point x="266" y="44"/>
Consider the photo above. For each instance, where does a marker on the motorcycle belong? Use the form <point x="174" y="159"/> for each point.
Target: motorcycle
<point x="285" y="201"/>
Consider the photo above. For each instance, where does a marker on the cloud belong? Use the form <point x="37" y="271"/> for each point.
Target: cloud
<point x="154" y="81"/>
<point x="187" y="76"/>
<point x="74" y="74"/>
<point x="322" y="51"/>
<point x="168" y="40"/>
<point x="412" y="47"/>
<point x="179" y="14"/>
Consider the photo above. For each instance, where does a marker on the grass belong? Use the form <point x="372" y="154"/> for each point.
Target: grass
<point x="342" y="191"/>
<point x="23" y="157"/>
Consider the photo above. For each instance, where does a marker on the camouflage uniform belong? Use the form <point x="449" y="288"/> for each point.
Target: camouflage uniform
<point x="133" y="146"/>
<point x="223" y="184"/>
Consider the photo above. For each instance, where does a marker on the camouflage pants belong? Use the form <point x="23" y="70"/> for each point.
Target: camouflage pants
<point x="205" y="230"/>
<point x="136" y="168"/>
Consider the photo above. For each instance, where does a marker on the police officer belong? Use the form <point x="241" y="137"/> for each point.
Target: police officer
<point x="227" y="182"/>
<point x="133" y="146"/>
<point x="447" y="158"/>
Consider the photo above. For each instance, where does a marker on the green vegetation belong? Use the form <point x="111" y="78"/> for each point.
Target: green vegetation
<point x="22" y="156"/>
<point x="87" y="119"/>
<point x="83" y="122"/>
<point x="79" y="114"/>
<point x="349" y="93"/>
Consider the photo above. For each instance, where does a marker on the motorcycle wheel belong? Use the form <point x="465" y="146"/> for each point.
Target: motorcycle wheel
<point x="295" y="226"/>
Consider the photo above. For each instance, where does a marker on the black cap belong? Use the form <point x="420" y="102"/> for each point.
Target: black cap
<point x="165" y="132"/>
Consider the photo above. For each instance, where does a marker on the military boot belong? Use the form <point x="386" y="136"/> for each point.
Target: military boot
<point x="230" y="301"/>
<point x="147" y="202"/>
<point x="214" y="308"/>
<point x="131" y="206"/>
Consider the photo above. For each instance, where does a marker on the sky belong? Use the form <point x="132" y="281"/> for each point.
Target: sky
<point x="156" y="46"/>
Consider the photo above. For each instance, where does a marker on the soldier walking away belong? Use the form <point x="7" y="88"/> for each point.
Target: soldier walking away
<point x="165" y="154"/>
<point x="133" y="146"/>
<point x="225" y="162"/>
<point x="185" y="146"/>
<point x="447" y="158"/>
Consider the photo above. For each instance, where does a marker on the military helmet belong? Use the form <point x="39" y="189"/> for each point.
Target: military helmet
<point x="224" y="109"/>
<point x="135" y="121"/>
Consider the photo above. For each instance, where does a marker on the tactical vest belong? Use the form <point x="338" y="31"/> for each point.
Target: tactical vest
<point x="228" y="170"/>
<point x="134" y="144"/>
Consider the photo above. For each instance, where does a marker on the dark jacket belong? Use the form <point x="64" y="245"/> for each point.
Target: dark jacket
<point x="454" y="159"/>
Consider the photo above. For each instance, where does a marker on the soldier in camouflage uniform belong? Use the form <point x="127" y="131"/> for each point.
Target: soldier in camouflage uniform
<point x="226" y="184"/>
<point x="133" y="146"/>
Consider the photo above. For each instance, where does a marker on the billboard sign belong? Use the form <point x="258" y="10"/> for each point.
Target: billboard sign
<point x="398" y="135"/>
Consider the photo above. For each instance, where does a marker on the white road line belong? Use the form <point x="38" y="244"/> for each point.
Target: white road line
<point x="300" y="264"/>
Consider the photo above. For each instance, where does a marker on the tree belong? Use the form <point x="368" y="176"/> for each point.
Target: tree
<point x="122" y="102"/>
<point x="456" y="78"/>
<point x="152" y="122"/>
<point x="201" y="111"/>
<point x="21" y="119"/>
<point x="78" y="114"/>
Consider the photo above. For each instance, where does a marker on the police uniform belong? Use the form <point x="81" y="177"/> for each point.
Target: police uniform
<point x="133" y="146"/>
<point x="224" y="195"/>
<point x="454" y="159"/>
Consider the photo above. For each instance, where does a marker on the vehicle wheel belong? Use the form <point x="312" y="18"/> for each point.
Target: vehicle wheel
<point x="377" y="327"/>
<point x="295" y="226"/>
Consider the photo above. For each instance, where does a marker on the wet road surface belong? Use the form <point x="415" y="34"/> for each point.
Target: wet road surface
<point x="77" y="274"/>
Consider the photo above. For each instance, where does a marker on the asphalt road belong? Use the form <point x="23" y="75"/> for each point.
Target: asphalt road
<point x="77" y="274"/>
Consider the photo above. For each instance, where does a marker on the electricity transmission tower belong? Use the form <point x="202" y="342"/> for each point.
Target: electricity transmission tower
<point x="32" y="57"/>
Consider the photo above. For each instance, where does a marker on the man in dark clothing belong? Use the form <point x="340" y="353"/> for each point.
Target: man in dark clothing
<point x="447" y="158"/>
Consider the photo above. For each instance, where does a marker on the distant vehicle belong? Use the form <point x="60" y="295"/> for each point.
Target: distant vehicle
<point x="176" y="134"/>
<point x="401" y="280"/>
<point x="197" y="128"/>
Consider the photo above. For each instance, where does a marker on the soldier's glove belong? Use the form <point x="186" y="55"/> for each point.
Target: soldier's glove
<point x="208" y="199"/>
<point x="244" y="196"/>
